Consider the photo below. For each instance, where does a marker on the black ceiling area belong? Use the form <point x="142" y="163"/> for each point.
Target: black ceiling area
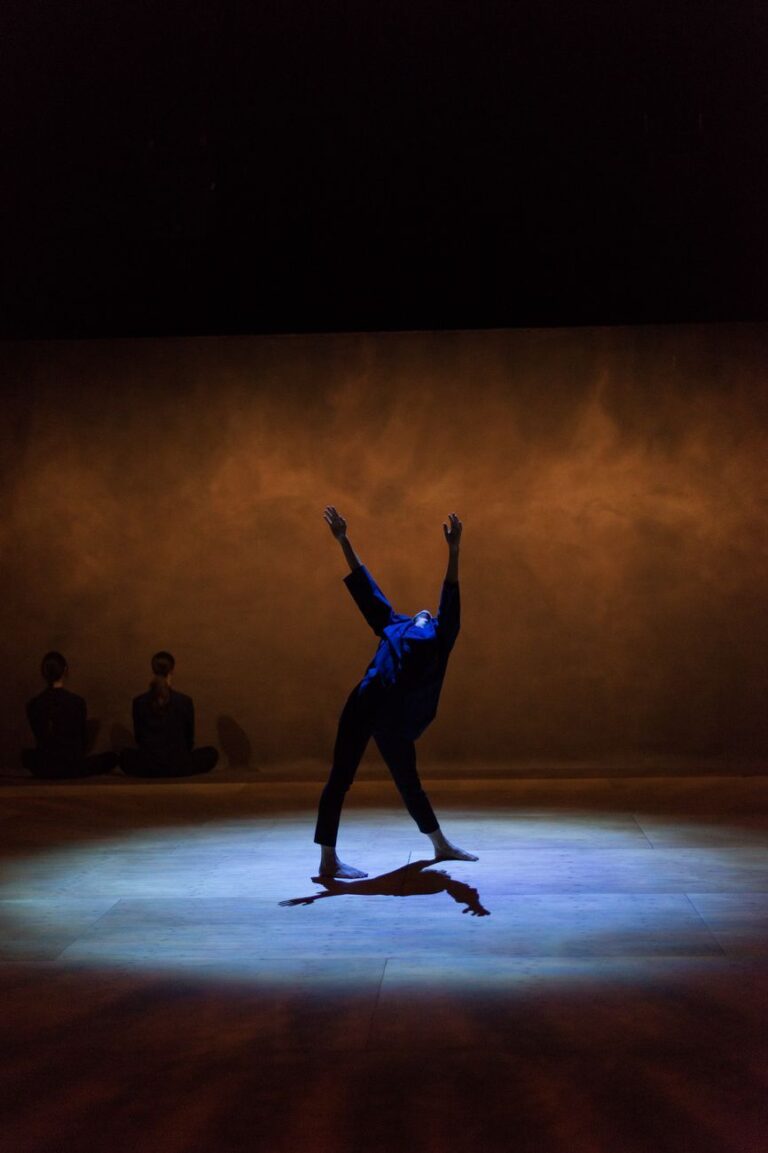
<point x="287" y="166"/>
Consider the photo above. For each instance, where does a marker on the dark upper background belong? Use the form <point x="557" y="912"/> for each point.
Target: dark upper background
<point x="291" y="165"/>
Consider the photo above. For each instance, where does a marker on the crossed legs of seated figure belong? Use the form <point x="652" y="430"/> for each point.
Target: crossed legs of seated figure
<point x="137" y="763"/>
<point x="356" y="727"/>
<point x="53" y="769"/>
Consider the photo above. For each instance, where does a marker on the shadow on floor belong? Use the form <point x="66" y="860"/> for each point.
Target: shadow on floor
<point x="408" y="881"/>
<point x="235" y="743"/>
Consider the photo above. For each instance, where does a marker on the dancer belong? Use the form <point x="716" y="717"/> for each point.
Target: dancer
<point x="57" y="718"/>
<point x="395" y="701"/>
<point x="164" y="728"/>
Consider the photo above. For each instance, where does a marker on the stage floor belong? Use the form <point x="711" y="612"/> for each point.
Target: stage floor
<point x="174" y="980"/>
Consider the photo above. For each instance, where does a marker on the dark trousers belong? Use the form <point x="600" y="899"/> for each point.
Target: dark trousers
<point x="55" y="768"/>
<point x="358" y="723"/>
<point x="137" y="763"/>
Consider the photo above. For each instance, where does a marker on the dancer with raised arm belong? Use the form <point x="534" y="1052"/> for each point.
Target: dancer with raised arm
<point x="395" y="701"/>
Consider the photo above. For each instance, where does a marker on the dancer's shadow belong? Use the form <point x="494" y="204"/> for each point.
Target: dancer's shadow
<point x="407" y="881"/>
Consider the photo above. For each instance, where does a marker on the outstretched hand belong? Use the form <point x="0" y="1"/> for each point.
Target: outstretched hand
<point x="452" y="530"/>
<point x="335" y="522"/>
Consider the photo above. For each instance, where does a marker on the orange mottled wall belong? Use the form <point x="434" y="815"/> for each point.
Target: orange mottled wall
<point x="613" y="485"/>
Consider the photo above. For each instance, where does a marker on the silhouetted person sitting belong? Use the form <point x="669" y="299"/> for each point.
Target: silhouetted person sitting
<point x="164" y="729"/>
<point x="395" y="701"/>
<point x="57" y="718"/>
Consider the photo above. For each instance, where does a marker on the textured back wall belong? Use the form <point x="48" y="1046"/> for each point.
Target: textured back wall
<point x="612" y="482"/>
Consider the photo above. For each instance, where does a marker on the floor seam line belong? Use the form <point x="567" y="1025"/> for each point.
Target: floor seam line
<point x="375" y="1007"/>
<point x="642" y="830"/>
<point x="706" y="924"/>
<point x="93" y="925"/>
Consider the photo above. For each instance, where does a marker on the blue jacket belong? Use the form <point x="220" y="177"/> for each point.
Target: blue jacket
<point x="411" y="659"/>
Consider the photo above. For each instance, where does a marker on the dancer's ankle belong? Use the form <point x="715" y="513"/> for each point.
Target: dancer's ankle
<point x="445" y="850"/>
<point x="331" y="866"/>
<point x="437" y="838"/>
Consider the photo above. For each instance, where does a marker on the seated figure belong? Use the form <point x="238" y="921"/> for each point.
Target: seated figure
<point x="164" y="730"/>
<point x="58" y="720"/>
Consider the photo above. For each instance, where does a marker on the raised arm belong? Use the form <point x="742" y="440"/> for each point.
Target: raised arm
<point x="452" y="532"/>
<point x="449" y="612"/>
<point x="338" y="527"/>
<point x="368" y="597"/>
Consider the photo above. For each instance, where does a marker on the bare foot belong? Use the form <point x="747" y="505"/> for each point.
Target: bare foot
<point x="337" y="868"/>
<point x="449" y="852"/>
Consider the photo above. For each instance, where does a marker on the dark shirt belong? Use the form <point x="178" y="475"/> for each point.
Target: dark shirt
<point x="410" y="662"/>
<point x="57" y="718"/>
<point x="167" y="735"/>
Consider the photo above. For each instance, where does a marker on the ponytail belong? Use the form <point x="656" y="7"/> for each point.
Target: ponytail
<point x="53" y="666"/>
<point x="163" y="665"/>
<point x="160" y="694"/>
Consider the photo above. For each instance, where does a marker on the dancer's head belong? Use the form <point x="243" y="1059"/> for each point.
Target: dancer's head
<point x="163" y="665"/>
<point x="54" y="668"/>
<point x="422" y="618"/>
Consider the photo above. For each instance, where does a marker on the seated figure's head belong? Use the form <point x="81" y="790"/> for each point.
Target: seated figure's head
<point x="54" y="668"/>
<point x="163" y="664"/>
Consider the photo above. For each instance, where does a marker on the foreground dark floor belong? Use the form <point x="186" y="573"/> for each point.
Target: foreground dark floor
<point x="173" y="979"/>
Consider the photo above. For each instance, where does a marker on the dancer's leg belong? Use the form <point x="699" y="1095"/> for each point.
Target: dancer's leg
<point x="399" y="754"/>
<point x="351" y="739"/>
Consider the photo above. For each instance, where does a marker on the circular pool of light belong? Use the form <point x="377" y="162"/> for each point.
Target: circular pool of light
<point x="553" y="892"/>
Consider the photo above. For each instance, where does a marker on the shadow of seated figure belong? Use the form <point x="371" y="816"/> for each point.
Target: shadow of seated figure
<point x="63" y="734"/>
<point x="164" y="729"/>
<point x="415" y="879"/>
<point x="235" y="743"/>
